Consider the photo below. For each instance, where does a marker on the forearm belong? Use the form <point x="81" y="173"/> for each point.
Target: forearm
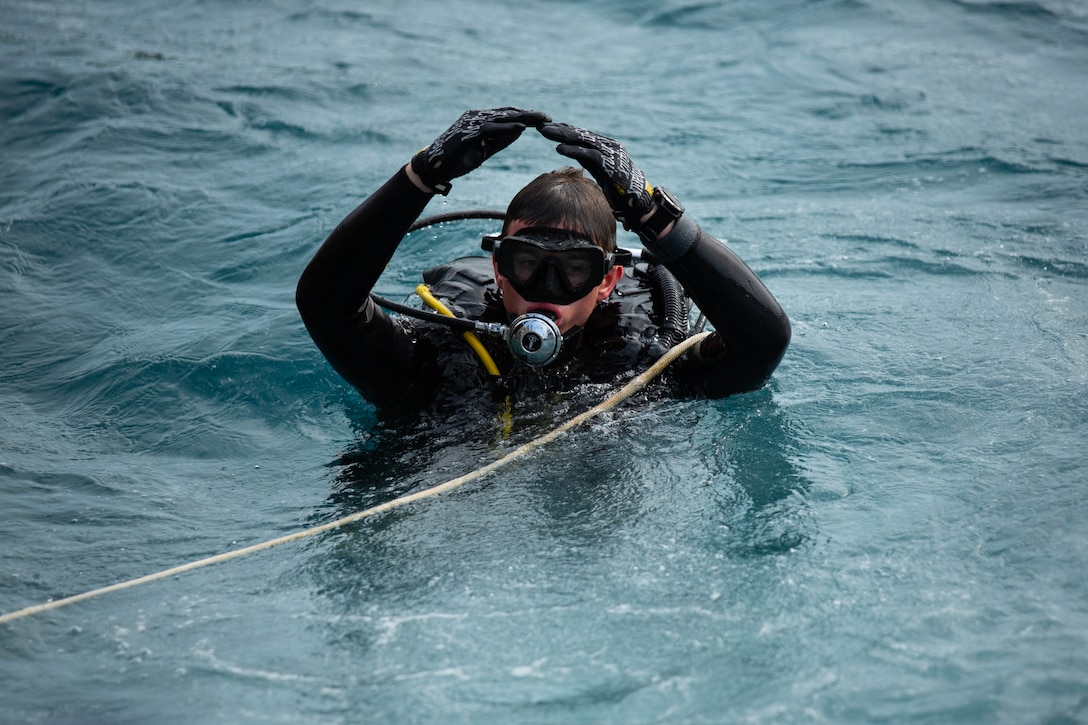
<point x="344" y="270"/>
<point x="751" y="329"/>
<point x="333" y="292"/>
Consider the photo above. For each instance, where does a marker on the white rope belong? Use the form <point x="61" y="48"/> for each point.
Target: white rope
<point x="637" y="384"/>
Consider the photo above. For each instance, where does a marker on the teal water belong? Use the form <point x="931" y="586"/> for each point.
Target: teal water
<point x="895" y="530"/>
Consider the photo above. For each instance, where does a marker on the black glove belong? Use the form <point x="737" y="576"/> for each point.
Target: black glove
<point x="607" y="162"/>
<point x="470" y="141"/>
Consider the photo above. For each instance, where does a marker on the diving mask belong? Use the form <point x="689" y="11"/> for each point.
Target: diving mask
<point x="550" y="265"/>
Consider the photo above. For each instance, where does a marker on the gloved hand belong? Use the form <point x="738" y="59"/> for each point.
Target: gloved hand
<point x="474" y="138"/>
<point x="610" y="166"/>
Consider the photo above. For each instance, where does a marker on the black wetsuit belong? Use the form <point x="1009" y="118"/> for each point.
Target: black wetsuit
<point x="403" y="365"/>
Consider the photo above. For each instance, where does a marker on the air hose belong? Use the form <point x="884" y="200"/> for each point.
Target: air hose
<point x="674" y="316"/>
<point x="532" y="338"/>
<point x="470" y="337"/>
<point x="456" y="216"/>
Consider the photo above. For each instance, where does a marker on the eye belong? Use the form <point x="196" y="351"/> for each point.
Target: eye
<point x="525" y="263"/>
<point x="578" y="270"/>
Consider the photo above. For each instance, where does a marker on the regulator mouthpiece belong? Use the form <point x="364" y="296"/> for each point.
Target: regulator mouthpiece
<point x="534" y="339"/>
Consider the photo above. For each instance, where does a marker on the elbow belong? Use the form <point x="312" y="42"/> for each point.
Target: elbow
<point x="774" y="347"/>
<point x="741" y="366"/>
<point x="767" y="345"/>
<point x="780" y="337"/>
<point x="306" y="298"/>
<point x="315" y="296"/>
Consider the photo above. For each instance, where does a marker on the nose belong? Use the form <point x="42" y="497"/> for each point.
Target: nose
<point x="553" y="282"/>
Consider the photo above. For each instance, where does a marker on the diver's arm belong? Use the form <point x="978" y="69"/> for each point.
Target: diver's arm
<point x="333" y="294"/>
<point x="751" y="329"/>
<point x="360" y="340"/>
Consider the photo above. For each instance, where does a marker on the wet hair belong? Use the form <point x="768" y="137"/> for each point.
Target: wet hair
<point x="565" y="198"/>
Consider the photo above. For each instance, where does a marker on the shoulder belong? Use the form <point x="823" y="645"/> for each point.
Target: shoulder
<point x="466" y="283"/>
<point x="623" y="330"/>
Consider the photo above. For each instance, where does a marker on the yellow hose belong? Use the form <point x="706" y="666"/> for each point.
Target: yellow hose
<point x="470" y="337"/>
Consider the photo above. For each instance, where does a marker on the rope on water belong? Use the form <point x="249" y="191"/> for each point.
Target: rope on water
<point x="636" y="384"/>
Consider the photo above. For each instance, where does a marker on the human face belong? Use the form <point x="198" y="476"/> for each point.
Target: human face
<point x="553" y="265"/>
<point x="566" y="316"/>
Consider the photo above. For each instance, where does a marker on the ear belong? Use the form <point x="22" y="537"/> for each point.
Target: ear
<point x="609" y="283"/>
<point x="499" y="279"/>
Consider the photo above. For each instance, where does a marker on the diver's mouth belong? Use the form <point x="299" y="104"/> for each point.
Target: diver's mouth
<point x="548" y="310"/>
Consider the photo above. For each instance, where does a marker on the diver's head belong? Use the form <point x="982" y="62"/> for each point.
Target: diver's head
<point x="560" y="235"/>
<point x="564" y="199"/>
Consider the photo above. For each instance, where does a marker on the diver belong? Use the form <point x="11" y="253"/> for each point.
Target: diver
<point x="567" y="306"/>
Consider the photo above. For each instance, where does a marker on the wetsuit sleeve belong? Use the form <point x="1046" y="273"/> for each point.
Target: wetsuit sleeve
<point x="751" y="329"/>
<point x="361" y="342"/>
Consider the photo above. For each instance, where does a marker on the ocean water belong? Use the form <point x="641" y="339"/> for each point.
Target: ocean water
<point x="894" y="530"/>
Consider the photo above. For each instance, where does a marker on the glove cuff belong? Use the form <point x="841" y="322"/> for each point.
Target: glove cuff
<point x="429" y="176"/>
<point x="676" y="243"/>
<point x="668" y="211"/>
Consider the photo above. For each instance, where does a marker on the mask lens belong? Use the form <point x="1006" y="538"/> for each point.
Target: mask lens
<point x="524" y="261"/>
<point x="577" y="266"/>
